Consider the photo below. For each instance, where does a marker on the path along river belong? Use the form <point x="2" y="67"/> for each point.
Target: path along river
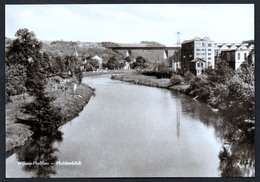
<point x="128" y="131"/>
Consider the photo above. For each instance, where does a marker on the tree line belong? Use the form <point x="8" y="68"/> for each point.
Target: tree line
<point x="27" y="71"/>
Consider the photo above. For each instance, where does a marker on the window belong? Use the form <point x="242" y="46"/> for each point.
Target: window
<point x="209" y="53"/>
<point x="245" y="55"/>
<point x="209" y="49"/>
<point x="203" y="44"/>
<point x="201" y="64"/>
<point x="198" y="64"/>
<point x="238" y="56"/>
<point x="209" y="58"/>
<point x="197" y="49"/>
<point x="209" y="45"/>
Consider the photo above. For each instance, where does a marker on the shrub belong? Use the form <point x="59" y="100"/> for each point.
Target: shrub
<point x="188" y="76"/>
<point x="176" y="79"/>
<point x="199" y="86"/>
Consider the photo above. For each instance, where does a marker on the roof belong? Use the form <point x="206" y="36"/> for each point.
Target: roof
<point x="233" y="50"/>
<point x="248" y="42"/>
<point x="97" y="57"/>
<point x="196" y="39"/>
<point x="197" y="59"/>
<point x="187" y="41"/>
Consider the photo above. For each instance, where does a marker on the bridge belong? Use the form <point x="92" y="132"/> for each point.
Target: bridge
<point x="129" y="49"/>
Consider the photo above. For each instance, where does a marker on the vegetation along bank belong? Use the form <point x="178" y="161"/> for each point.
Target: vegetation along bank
<point x="231" y="92"/>
<point x="42" y="92"/>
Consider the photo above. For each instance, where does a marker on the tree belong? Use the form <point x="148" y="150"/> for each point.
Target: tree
<point x="140" y="63"/>
<point x="112" y="63"/>
<point x="221" y="74"/>
<point x="15" y="80"/>
<point x="25" y="50"/>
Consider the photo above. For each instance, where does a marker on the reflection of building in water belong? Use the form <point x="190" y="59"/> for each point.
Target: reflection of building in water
<point x="178" y="110"/>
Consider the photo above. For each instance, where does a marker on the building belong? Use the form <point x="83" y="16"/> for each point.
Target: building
<point x="202" y="48"/>
<point x="197" y="66"/>
<point x="176" y="65"/>
<point x="99" y="60"/>
<point x="236" y="54"/>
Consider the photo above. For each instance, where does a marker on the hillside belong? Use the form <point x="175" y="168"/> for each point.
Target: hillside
<point x="90" y="49"/>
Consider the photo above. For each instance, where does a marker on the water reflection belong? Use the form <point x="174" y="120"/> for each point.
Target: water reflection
<point x="237" y="156"/>
<point x="38" y="155"/>
<point x="178" y="121"/>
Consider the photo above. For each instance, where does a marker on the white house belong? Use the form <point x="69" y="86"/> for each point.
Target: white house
<point x="99" y="59"/>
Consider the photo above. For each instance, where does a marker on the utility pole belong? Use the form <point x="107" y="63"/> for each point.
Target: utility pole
<point x="178" y="55"/>
<point x="178" y="44"/>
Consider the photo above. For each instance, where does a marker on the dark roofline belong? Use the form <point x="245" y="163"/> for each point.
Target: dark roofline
<point x="197" y="59"/>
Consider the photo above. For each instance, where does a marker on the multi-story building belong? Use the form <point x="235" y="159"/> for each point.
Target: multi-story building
<point x="236" y="54"/>
<point x="198" y="48"/>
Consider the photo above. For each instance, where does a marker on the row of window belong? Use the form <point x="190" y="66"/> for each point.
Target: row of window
<point x="203" y="44"/>
<point x="202" y="57"/>
<point x="203" y="50"/>
<point x="202" y="54"/>
<point x="199" y="64"/>
<point x="238" y="56"/>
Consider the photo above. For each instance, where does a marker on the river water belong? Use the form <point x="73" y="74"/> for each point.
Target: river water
<point x="128" y="131"/>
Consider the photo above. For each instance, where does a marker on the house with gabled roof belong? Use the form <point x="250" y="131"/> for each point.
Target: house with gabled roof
<point x="197" y="66"/>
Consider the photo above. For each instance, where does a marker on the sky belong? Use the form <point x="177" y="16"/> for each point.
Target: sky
<point x="133" y="23"/>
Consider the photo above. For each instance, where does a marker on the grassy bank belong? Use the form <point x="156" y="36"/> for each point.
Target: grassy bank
<point x="71" y="103"/>
<point x="104" y="72"/>
<point x="150" y="81"/>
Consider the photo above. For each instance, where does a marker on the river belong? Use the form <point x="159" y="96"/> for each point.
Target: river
<point x="128" y="131"/>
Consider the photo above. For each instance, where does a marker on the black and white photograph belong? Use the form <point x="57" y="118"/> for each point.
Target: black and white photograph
<point x="129" y="90"/>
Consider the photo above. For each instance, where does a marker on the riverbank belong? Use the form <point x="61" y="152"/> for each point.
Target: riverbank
<point x="107" y="72"/>
<point x="151" y="81"/>
<point x="70" y="102"/>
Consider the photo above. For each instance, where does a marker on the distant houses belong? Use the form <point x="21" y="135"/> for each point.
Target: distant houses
<point x="193" y="55"/>
<point x="200" y="53"/>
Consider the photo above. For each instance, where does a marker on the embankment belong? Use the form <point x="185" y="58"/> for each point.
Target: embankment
<point x="150" y="81"/>
<point x="70" y="103"/>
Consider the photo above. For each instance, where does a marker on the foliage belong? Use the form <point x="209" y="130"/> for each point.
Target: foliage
<point x="112" y="63"/>
<point x="231" y="92"/>
<point x="188" y="76"/>
<point x="199" y="87"/>
<point x="78" y="74"/>
<point x="221" y="74"/>
<point x="91" y="65"/>
<point x="15" y="80"/>
<point x="140" y="63"/>
<point x="109" y="44"/>
<point x="175" y="80"/>
<point x="163" y="66"/>
<point x="24" y="48"/>
<point x="24" y="52"/>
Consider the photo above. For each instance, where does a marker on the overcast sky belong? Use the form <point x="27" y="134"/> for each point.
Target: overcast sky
<point x="133" y="23"/>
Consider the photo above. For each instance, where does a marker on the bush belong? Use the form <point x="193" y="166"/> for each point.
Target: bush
<point x="188" y="76"/>
<point x="199" y="86"/>
<point x="176" y="79"/>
